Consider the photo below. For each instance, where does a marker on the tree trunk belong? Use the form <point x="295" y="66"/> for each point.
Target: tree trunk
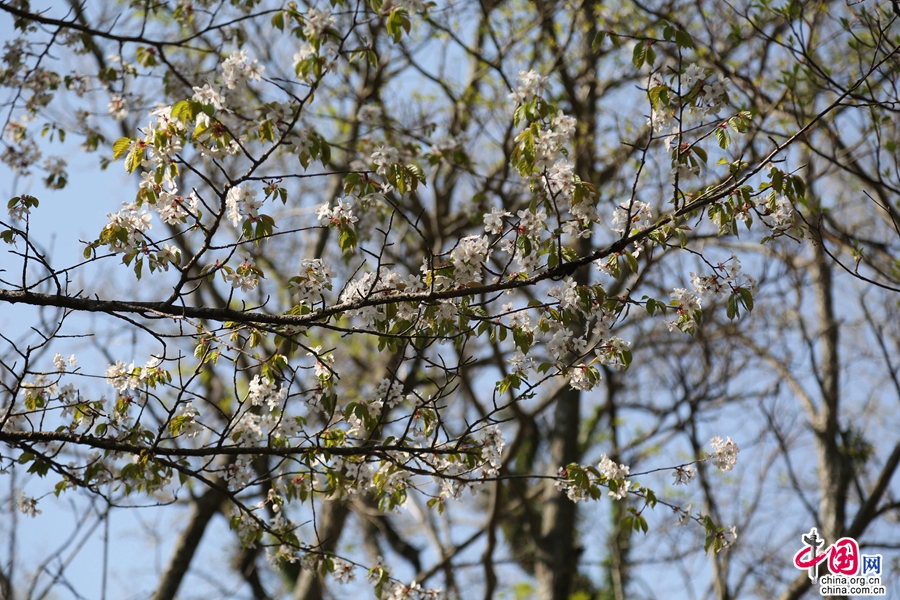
<point x="557" y="554"/>
<point x="204" y="508"/>
<point x="331" y="521"/>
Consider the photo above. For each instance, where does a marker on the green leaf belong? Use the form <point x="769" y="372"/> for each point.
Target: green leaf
<point x="133" y="160"/>
<point x="701" y="153"/>
<point x="746" y="298"/>
<point x="778" y="180"/>
<point x="348" y="238"/>
<point x="598" y="41"/>
<point x="612" y="263"/>
<point x="177" y="424"/>
<point x="181" y="110"/>
<point x="683" y="39"/>
<point x="640" y="524"/>
<point x="722" y="137"/>
<point x="632" y="262"/>
<point x="732" y="310"/>
<point x="120" y="147"/>
<point x="659" y="96"/>
<point x="39" y="467"/>
<point x="799" y="185"/>
<point x="639" y="55"/>
<point x="518" y="115"/>
<point x="397" y="23"/>
<point x="278" y="20"/>
<point x="417" y="171"/>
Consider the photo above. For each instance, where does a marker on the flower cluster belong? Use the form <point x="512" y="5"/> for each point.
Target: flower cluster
<point x="491" y="450"/>
<point x="583" y="377"/>
<point x="467" y="259"/>
<point x="117" y="107"/>
<point x="314" y="278"/>
<point x="493" y="221"/>
<point x="724" y="453"/>
<point x="238" y="69"/>
<point x="700" y="96"/>
<point x="188" y="421"/>
<point x="566" y="294"/>
<point x="531" y="84"/>
<point x="727" y="538"/>
<point x="387" y="282"/>
<point x="630" y="216"/>
<point x="369" y="114"/>
<point x="317" y="57"/>
<point x="241" y="201"/>
<point x="246" y="276"/>
<point x="339" y="215"/>
<point x="614" y="352"/>
<point x="209" y="95"/>
<point x="711" y="96"/>
<point x="167" y="255"/>
<point x="156" y="153"/>
<point x="20" y="158"/>
<point x="549" y="145"/>
<point x="683" y="514"/>
<point x="445" y="146"/>
<point x="389" y="393"/>
<point x="726" y="278"/>
<point x="130" y="377"/>
<point x="262" y="390"/>
<point x="343" y="572"/>
<point x="380" y="575"/>
<point x="56" y="177"/>
<point x="42" y="387"/>
<point x="529" y="229"/>
<point x="27" y="505"/>
<point x="62" y="364"/>
<point x="125" y="230"/>
<point x="779" y="209"/>
<point x="163" y="141"/>
<point x="615" y="473"/>
<point x="684" y="475"/>
<point x="687" y="310"/>
<point x="317" y="22"/>
<point x="580" y="482"/>
<point x="383" y="158"/>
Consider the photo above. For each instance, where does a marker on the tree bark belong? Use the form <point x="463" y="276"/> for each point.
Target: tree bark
<point x="557" y="555"/>
<point x="835" y="470"/>
<point x="331" y="521"/>
<point x="204" y="508"/>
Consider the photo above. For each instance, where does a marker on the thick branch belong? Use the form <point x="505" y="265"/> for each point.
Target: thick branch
<point x="14" y="438"/>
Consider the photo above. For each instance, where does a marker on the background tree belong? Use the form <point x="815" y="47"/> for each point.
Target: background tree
<point x="380" y="254"/>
